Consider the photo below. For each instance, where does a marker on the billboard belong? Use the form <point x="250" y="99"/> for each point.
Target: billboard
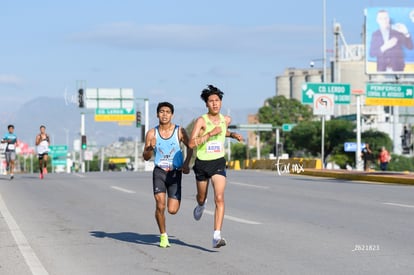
<point x="389" y="47"/>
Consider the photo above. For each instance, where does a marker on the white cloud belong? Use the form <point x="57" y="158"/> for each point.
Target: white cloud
<point x="198" y="37"/>
<point x="9" y="79"/>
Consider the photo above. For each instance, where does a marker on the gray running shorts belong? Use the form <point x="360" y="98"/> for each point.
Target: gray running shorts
<point x="10" y="156"/>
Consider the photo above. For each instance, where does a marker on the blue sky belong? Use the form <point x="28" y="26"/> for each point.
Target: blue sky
<point x="164" y="50"/>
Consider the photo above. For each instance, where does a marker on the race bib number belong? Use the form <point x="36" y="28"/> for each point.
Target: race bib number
<point x="165" y="165"/>
<point x="214" y="147"/>
<point x="10" y="147"/>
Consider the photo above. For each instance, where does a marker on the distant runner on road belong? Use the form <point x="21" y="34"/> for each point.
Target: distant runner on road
<point x="11" y="140"/>
<point x="42" y="143"/>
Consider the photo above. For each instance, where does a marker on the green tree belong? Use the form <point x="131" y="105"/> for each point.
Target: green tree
<point x="305" y="138"/>
<point x="401" y="163"/>
<point x="337" y="133"/>
<point x="238" y="151"/>
<point x="277" y="111"/>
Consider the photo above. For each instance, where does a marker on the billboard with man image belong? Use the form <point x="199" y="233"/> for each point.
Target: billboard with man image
<point x="389" y="47"/>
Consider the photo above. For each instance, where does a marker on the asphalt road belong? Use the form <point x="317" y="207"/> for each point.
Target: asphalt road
<point x="103" y="223"/>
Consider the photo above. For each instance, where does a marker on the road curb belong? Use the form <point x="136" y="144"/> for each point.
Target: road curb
<point x="392" y="178"/>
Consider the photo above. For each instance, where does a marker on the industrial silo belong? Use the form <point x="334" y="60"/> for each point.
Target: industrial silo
<point x="297" y="82"/>
<point x="283" y="86"/>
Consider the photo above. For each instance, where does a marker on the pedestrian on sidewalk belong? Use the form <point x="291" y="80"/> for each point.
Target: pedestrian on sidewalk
<point x="384" y="158"/>
<point x="367" y="156"/>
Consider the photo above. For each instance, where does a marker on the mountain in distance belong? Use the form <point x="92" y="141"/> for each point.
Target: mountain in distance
<point x="63" y="119"/>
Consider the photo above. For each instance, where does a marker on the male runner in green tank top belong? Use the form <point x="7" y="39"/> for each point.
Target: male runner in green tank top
<point x="208" y="135"/>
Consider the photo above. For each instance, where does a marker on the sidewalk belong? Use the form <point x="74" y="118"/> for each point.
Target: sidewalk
<point x="374" y="176"/>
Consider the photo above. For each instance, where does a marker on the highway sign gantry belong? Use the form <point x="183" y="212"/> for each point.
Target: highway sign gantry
<point x="265" y="127"/>
<point x="341" y="92"/>
<point x="99" y="98"/>
<point x="111" y="104"/>
<point x="389" y="94"/>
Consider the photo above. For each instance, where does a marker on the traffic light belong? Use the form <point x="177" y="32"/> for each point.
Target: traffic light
<point x="278" y="151"/>
<point x="83" y="140"/>
<point x="138" y="121"/>
<point x="81" y="103"/>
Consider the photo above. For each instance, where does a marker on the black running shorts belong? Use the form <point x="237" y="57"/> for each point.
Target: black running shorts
<point x="40" y="156"/>
<point x="205" y="169"/>
<point x="167" y="181"/>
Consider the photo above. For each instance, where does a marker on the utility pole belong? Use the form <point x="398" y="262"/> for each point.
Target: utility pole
<point x="324" y="80"/>
<point x="82" y="104"/>
<point x="142" y="131"/>
<point x="82" y="132"/>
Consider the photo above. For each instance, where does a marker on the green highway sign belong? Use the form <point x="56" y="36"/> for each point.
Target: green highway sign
<point x="286" y="127"/>
<point x="341" y="92"/>
<point x="58" y="147"/>
<point x="60" y="162"/>
<point x="115" y="114"/>
<point x="58" y="150"/>
<point x="265" y="127"/>
<point x="389" y="94"/>
<point x="114" y="111"/>
<point x="59" y="154"/>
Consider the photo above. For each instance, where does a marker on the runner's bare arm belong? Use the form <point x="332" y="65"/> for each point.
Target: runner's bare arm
<point x="197" y="136"/>
<point x="37" y="139"/>
<point x="184" y="138"/>
<point x="149" y="144"/>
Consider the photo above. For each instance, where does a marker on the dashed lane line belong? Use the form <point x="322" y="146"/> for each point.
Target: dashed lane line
<point x="399" y="204"/>
<point x="123" y="189"/>
<point x="235" y="219"/>
<point x="248" y="185"/>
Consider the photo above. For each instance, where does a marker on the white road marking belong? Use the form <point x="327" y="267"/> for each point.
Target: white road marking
<point x="79" y="175"/>
<point x="399" y="204"/>
<point x="29" y="255"/>
<point x="235" y="219"/>
<point x="123" y="190"/>
<point x="248" y="185"/>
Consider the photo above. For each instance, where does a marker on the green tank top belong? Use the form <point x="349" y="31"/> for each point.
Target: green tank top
<point x="214" y="147"/>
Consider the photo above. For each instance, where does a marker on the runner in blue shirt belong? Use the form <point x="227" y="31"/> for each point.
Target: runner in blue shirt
<point x="164" y="142"/>
<point x="11" y="139"/>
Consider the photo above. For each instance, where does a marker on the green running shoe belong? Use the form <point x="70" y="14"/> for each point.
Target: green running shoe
<point x="164" y="241"/>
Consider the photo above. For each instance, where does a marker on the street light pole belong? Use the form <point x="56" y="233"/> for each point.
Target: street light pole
<point x="324" y="41"/>
<point x="81" y="152"/>
<point x="358" y="164"/>
<point x="324" y="80"/>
